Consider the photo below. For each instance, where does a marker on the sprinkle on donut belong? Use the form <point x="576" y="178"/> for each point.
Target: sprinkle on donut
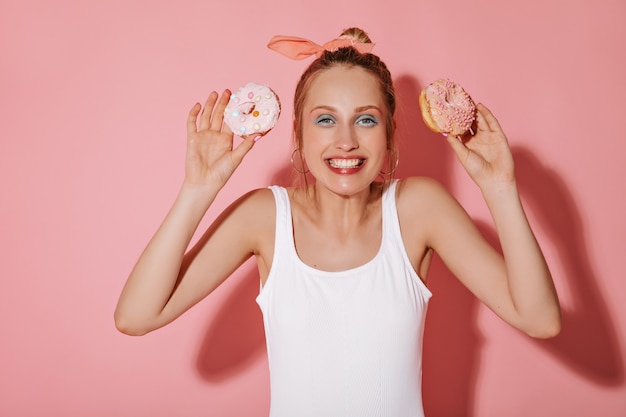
<point x="446" y="108"/>
<point x="252" y="110"/>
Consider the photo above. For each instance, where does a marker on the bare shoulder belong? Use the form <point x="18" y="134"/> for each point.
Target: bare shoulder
<point x="260" y="200"/>
<point x="247" y="221"/>
<point x="256" y="220"/>
<point x="420" y="192"/>
<point x="425" y="206"/>
<point x="255" y="208"/>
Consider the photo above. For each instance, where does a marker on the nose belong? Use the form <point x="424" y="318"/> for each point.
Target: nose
<point x="346" y="139"/>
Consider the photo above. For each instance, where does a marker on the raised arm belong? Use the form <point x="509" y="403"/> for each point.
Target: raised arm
<point x="518" y="287"/>
<point x="157" y="290"/>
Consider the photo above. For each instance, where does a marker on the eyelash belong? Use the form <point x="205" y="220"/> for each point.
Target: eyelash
<point x="365" y="120"/>
<point x="325" y="120"/>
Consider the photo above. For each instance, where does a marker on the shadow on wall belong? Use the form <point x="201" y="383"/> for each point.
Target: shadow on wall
<point x="588" y="343"/>
<point x="235" y="338"/>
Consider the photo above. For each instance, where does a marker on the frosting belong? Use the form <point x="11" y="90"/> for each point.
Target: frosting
<point x="451" y="108"/>
<point x="252" y="110"/>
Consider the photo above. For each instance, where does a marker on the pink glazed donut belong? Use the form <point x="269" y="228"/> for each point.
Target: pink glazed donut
<point x="252" y="110"/>
<point x="447" y="108"/>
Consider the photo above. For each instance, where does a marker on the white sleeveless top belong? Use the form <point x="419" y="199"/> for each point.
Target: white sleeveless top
<point x="349" y="343"/>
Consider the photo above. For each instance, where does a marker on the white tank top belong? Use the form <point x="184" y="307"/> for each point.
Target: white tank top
<point x="349" y="343"/>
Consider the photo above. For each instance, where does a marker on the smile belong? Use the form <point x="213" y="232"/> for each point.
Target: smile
<point x="346" y="163"/>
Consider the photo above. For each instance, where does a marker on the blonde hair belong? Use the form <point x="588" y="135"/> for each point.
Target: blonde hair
<point x="357" y="34"/>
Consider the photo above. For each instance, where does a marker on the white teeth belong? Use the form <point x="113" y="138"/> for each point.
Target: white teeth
<point x="345" y="163"/>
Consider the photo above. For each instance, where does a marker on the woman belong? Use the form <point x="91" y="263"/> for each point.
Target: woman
<point x="342" y="260"/>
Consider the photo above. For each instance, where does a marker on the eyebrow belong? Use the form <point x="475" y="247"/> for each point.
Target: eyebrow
<point x="369" y="107"/>
<point x="358" y="109"/>
<point x="329" y="108"/>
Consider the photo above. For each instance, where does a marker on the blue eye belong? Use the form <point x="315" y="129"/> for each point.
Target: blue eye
<point x="367" y="120"/>
<point x="324" y="120"/>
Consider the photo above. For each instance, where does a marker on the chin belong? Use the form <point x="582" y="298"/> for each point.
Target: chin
<point x="349" y="186"/>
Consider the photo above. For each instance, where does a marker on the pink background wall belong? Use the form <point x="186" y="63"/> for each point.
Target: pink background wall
<point x="93" y="100"/>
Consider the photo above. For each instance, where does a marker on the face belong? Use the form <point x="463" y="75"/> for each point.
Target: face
<point x="343" y="130"/>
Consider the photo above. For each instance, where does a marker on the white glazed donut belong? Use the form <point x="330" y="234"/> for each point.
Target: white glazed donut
<point x="252" y="110"/>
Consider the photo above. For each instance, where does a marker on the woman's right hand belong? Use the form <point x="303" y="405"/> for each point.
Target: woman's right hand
<point x="211" y="158"/>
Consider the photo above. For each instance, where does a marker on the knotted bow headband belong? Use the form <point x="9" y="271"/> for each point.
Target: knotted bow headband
<point x="300" y="48"/>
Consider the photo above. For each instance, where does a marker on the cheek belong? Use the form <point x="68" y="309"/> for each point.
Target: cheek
<point x="314" y="137"/>
<point x="379" y="148"/>
<point x="376" y="138"/>
<point x="310" y="145"/>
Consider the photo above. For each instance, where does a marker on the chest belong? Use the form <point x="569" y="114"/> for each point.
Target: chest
<point x="335" y="247"/>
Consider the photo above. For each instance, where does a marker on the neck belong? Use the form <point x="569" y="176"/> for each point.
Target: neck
<point x="338" y="209"/>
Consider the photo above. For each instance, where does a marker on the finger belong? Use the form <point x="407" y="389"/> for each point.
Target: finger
<point x="243" y="148"/>
<point x="226" y="129"/>
<point x="486" y="119"/>
<point x="218" y="114"/>
<point x="192" y="118"/>
<point x="205" y="116"/>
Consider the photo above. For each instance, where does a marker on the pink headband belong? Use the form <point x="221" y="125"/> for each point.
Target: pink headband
<point x="300" y="48"/>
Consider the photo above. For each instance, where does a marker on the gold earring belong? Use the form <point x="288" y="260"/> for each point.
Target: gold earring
<point x="396" y="161"/>
<point x="293" y="165"/>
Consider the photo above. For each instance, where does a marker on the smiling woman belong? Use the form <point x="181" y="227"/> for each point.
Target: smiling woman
<point x="341" y="130"/>
<point x="342" y="260"/>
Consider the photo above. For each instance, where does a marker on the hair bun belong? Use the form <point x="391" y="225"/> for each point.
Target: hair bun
<point x="357" y="34"/>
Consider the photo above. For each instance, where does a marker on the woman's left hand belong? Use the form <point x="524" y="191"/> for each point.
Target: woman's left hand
<point x="486" y="156"/>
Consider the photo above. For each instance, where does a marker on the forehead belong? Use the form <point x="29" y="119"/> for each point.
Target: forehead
<point x="342" y="84"/>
